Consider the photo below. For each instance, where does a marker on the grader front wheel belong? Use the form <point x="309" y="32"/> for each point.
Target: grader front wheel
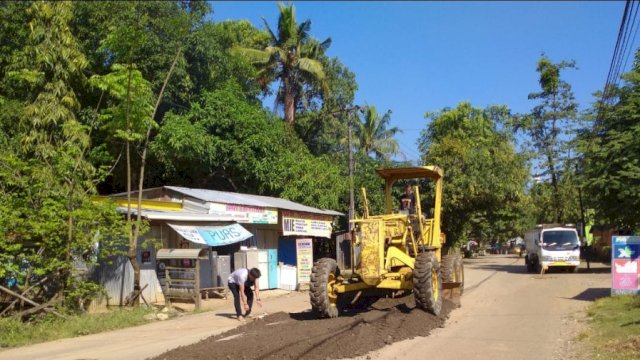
<point x="323" y="299"/>
<point x="427" y="283"/>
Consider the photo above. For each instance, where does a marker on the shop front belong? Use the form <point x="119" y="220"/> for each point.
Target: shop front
<point x="305" y="238"/>
<point x="237" y="230"/>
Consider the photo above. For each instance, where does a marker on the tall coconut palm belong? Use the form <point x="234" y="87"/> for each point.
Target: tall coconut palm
<point x="292" y="57"/>
<point x="373" y="136"/>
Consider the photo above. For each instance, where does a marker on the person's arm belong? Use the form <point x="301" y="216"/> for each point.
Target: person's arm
<point x="243" y="297"/>
<point x="257" y="290"/>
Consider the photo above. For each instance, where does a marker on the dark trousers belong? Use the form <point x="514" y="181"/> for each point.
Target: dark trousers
<point x="235" y="290"/>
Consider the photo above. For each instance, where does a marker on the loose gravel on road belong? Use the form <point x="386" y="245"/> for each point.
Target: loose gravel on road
<point x="375" y="323"/>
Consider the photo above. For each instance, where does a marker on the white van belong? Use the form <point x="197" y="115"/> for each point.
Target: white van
<point x="552" y="245"/>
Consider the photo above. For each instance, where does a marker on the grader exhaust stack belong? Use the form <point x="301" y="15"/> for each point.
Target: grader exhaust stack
<point x="398" y="251"/>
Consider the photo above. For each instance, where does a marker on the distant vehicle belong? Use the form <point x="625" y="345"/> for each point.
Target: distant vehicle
<point x="470" y="250"/>
<point x="552" y="245"/>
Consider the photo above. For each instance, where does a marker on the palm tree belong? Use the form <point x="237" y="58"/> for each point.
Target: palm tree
<point x="372" y="135"/>
<point x="291" y="57"/>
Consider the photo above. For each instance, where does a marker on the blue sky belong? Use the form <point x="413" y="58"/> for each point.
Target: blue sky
<point x="413" y="57"/>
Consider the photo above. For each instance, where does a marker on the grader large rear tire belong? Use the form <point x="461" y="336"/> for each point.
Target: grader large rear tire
<point x="427" y="282"/>
<point x="323" y="274"/>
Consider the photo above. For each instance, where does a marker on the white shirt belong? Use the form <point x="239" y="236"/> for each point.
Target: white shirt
<point x="239" y="277"/>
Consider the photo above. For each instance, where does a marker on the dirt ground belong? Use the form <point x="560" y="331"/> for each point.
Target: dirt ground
<point x="369" y="325"/>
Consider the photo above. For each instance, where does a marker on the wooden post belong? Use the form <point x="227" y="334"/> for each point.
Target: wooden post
<point x="197" y="284"/>
<point x="167" y="285"/>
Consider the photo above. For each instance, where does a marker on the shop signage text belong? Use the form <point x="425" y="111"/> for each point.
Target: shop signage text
<point x="243" y="214"/>
<point x="304" y="255"/>
<point x="306" y="224"/>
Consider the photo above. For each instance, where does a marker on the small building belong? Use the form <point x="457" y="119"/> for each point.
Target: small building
<point x="225" y="223"/>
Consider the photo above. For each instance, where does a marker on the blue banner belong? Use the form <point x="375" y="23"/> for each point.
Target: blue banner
<point x="224" y="235"/>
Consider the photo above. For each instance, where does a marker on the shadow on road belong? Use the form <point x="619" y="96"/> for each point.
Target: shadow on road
<point x="227" y="315"/>
<point x="511" y="268"/>
<point x="347" y="309"/>
<point x="370" y="302"/>
<point x="598" y="269"/>
<point x="520" y="268"/>
<point x="592" y="294"/>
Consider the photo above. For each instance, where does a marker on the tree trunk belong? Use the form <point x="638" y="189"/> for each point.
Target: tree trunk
<point x="289" y="100"/>
<point x="558" y="213"/>
<point x="552" y="168"/>
<point x="133" y="244"/>
<point x="143" y="160"/>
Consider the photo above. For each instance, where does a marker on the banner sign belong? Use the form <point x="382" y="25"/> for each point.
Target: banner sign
<point x="625" y="256"/>
<point x="306" y="224"/>
<point x="304" y="256"/>
<point x="213" y="235"/>
<point x="189" y="233"/>
<point x="224" y="235"/>
<point x="243" y="214"/>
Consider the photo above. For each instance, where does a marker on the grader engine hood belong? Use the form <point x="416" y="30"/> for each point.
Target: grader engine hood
<point x="371" y="258"/>
<point x="382" y="242"/>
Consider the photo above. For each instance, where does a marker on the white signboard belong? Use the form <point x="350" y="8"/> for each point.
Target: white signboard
<point x="243" y="213"/>
<point x="304" y="256"/>
<point x="306" y="224"/>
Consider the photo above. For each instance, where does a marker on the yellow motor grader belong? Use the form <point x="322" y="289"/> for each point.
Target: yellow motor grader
<point x="398" y="251"/>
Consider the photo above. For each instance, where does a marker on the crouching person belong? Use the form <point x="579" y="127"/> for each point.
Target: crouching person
<point x="240" y="283"/>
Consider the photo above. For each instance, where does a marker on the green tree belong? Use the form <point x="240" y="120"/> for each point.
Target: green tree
<point x="210" y="63"/>
<point x="610" y="155"/>
<point x="291" y="57"/>
<point x="229" y="143"/>
<point x="125" y="42"/>
<point x="484" y="177"/>
<point x="548" y="125"/>
<point x="143" y="33"/>
<point x="373" y="135"/>
<point x="323" y="125"/>
<point x="48" y="218"/>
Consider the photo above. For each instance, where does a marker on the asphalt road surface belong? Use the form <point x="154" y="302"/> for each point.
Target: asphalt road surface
<point x="508" y="313"/>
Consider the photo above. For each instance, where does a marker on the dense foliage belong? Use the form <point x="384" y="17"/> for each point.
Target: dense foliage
<point x="548" y="127"/>
<point x="105" y="97"/>
<point x="610" y="149"/>
<point x="484" y="177"/>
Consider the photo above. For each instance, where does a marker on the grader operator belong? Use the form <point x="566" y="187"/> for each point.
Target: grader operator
<point x="398" y="251"/>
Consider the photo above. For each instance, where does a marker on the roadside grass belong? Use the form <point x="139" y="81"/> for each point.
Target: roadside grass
<point x="614" y="328"/>
<point x="15" y="333"/>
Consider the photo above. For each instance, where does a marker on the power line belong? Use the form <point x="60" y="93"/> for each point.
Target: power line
<point x="633" y="39"/>
<point x="622" y="45"/>
<point x="625" y="48"/>
<point x="410" y="150"/>
<point x="621" y="53"/>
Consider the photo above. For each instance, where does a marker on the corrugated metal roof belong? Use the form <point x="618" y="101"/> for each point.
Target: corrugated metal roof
<point x="249" y="200"/>
<point x="176" y="216"/>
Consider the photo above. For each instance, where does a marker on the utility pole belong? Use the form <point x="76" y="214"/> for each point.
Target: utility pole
<point x="351" y="111"/>
<point x="351" y="194"/>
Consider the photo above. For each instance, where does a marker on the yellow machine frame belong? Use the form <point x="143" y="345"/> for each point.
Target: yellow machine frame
<point x="390" y="242"/>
